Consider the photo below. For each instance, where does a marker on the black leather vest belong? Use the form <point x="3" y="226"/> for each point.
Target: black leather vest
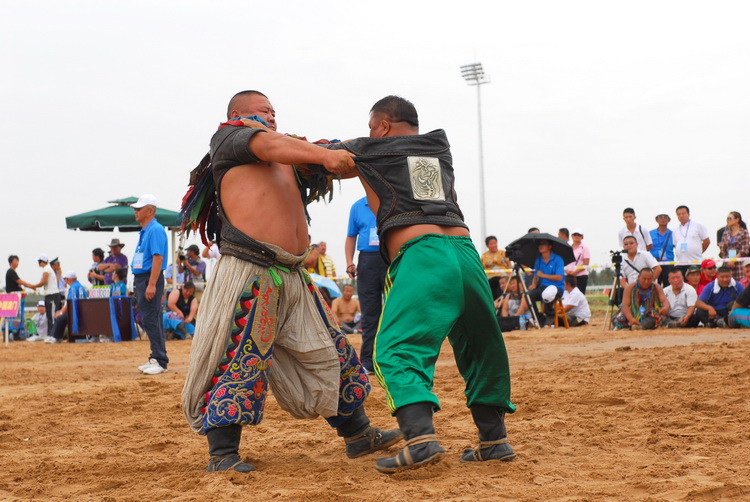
<point x="412" y="176"/>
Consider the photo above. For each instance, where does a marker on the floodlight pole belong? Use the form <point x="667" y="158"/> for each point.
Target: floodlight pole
<point x="474" y="75"/>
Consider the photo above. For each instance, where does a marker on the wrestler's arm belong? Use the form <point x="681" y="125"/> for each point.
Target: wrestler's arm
<point x="275" y="147"/>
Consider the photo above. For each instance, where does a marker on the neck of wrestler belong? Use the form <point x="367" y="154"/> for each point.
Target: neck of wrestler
<point x="262" y="200"/>
<point x="382" y="127"/>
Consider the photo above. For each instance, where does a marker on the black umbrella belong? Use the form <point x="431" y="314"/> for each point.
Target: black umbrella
<point x="525" y="250"/>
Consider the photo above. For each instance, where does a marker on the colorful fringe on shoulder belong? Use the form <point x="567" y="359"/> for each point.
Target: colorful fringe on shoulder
<point x="200" y="210"/>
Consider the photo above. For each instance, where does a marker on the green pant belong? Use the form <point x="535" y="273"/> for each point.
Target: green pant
<point x="436" y="287"/>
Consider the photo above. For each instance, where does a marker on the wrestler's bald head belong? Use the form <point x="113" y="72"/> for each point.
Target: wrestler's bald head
<point x="234" y="103"/>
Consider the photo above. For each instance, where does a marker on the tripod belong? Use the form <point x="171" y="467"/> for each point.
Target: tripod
<point x="615" y="296"/>
<point x="519" y="274"/>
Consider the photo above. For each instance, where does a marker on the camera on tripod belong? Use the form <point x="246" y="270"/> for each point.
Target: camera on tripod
<point x="616" y="257"/>
<point x="513" y="252"/>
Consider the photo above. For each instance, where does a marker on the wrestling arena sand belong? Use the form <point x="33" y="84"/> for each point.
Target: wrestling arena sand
<point x="651" y="416"/>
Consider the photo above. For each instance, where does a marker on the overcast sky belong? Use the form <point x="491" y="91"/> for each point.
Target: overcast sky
<point x="592" y="106"/>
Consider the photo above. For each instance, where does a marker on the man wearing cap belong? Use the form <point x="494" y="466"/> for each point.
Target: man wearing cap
<point x="75" y="291"/>
<point x="52" y="298"/>
<point x="708" y="273"/>
<point x="693" y="277"/>
<point x="40" y="322"/>
<point x="690" y="239"/>
<point x="114" y="261"/>
<point x="663" y="249"/>
<point x="148" y="280"/>
<point x="578" y="268"/>
<point x="194" y="268"/>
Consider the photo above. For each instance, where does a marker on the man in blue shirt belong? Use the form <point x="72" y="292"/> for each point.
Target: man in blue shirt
<point x="663" y="249"/>
<point x="717" y="299"/>
<point x="148" y="280"/>
<point x="549" y="270"/>
<point x="370" y="273"/>
<point x="75" y="291"/>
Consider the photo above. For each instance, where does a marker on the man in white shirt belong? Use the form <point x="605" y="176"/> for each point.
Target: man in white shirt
<point x="682" y="298"/>
<point x="52" y="297"/>
<point x="642" y="236"/>
<point x="636" y="260"/>
<point x="690" y="239"/>
<point x="576" y="306"/>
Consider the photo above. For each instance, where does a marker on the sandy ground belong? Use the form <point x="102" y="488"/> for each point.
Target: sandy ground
<point x="601" y="416"/>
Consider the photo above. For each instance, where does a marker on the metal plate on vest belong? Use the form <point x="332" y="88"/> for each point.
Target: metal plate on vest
<point x="426" y="178"/>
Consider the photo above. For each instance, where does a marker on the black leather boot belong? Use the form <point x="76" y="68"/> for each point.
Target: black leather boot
<point x="361" y="438"/>
<point x="422" y="448"/>
<point x="224" y="446"/>
<point x="493" y="441"/>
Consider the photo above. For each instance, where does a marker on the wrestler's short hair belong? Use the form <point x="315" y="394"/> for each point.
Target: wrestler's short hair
<point x="239" y="95"/>
<point x="397" y="109"/>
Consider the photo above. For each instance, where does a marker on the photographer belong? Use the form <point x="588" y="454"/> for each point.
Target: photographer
<point x="193" y="267"/>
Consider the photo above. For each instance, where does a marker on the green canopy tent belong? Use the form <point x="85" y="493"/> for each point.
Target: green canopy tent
<point x="120" y="216"/>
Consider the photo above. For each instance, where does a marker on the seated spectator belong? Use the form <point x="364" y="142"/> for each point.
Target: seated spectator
<point x="717" y="299"/>
<point x="549" y="270"/>
<point x="663" y="249"/>
<point x="681" y="298"/>
<point x="708" y="274"/>
<point x="745" y="281"/>
<point x="182" y="306"/>
<point x="118" y="286"/>
<point x="583" y="258"/>
<point x="693" y="277"/>
<point x="576" y="306"/>
<point x="636" y="260"/>
<point x="734" y="243"/>
<point x="643" y="303"/>
<point x="96" y="277"/>
<point x="346" y="310"/>
<point x="508" y="305"/>
<point x="739" y="317"/>
<point x="643" y="237"/>
<point x="40" y="322"/>
<point x="75" y="291"/>
<point x="494" y="263"/>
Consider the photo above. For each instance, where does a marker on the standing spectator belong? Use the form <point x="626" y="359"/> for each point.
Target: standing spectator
<point x="681" y="298"/>
<point x="75" y="291"/>
<point x="345" y="309"/>
<point x="745" y="281"/>
<point x="362" y="234"/>
<point x="717" y="299"/>
<point x="636" y="260"/>
<point x="643" y="237"/>
<point x="211" y="251"/>
<point x="735" y="243"/>
<point x="193" y="268"/>
<point x="40" y="322"/>
<point x="549" y="270"/>
<point x="690" y="239"/>
<point x="13" y="283"/>
<point x="327" y="261"/>
<point x="564" y="234"/>
<point x="96" y="277"/>
<point x="118" y="286"/>
<point x="574" y="301"/>
<point x="663" y="249"/>
<point x="52" y="298"/>
<point x="114" y="261"/>
<point x="57" y="268"/>
<point x="583" y="258"/>
<point x="148" y="280"/>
